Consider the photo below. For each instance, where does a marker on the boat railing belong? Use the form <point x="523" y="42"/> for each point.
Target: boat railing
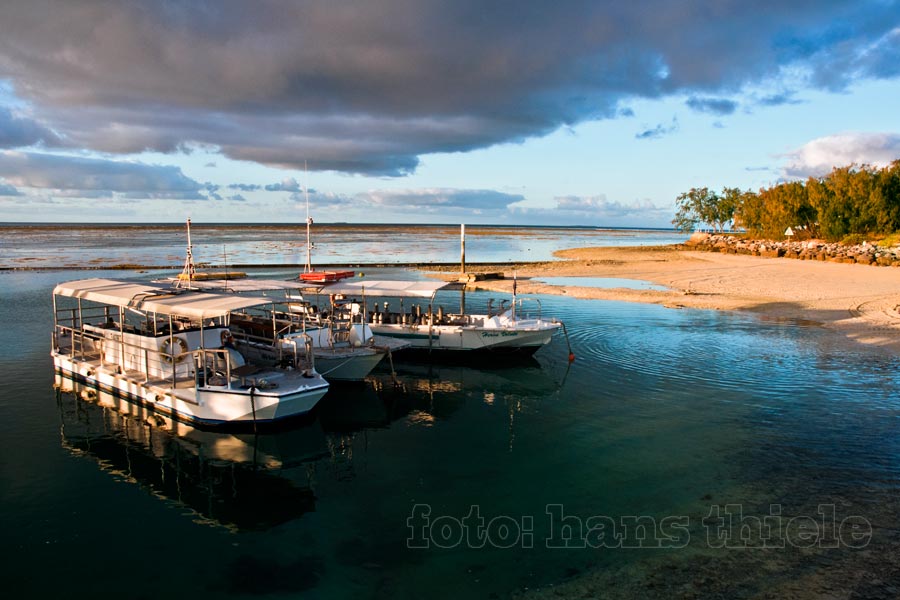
<point x="77" y="343"/>
<point x="107" y="346"/>
<point x="292" y="343"/>
<point x="212" y="367"/>
<point x="520" y="304"/>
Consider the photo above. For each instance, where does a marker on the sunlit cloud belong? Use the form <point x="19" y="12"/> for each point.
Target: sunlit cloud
<point x="818" y="157"/>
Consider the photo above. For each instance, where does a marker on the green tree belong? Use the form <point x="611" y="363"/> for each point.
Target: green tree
<point x="728" y="202"/>
<point x="884" y="199"/>
<point x="696" y="207"/>
<point x="850" y="200"/>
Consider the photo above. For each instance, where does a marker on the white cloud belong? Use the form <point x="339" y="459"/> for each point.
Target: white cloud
<point x="288" y="184"/>
<point x="819" y="156"/>
<point x="601" y="206"/>
<point x="442" y="198"/>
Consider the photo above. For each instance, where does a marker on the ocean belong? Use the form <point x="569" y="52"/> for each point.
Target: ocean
<point x="684" y="453"/>
<point x="79" y="246"/>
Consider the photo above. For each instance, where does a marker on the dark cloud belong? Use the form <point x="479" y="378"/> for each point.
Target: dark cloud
<point x="657" y="132"/>
<point x="713" y="106"/>
<point x="17" y="131"/>
<point x="844" y="59"/>
<point x="212" y="190"/>
<point x="237" y="198"/>
<point x="245" y="187"/>
<point x="371" y="88"/>
<point x="93" y="177"/>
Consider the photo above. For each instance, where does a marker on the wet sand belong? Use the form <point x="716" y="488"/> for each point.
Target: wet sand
<point x="859" y="301"/>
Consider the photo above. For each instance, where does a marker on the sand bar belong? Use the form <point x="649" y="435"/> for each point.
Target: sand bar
<point x="859" y="301"/>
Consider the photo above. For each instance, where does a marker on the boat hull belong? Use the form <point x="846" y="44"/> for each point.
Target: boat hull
<point x="347" y="366"/>
<point x="463" y="339"/>
<point x="211" y="406"/>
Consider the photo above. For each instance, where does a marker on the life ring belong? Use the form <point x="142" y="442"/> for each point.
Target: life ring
<point x="166" y="346"/>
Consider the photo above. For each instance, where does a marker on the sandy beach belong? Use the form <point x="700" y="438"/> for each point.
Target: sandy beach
<point x="859" y="301"/>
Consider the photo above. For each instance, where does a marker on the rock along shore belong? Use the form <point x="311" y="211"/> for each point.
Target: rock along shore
<point x="865" y="253"/>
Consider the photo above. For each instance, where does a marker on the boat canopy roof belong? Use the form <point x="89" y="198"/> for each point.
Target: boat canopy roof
<point x="156" y="298"/>
<point x="394" y="289"/>
<point x="242" y="285"/>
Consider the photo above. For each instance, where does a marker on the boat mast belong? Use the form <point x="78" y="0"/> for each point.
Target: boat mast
<point x="308" y="267"/>
<point x="515" y="281"/>
<point x="187" y="274"/>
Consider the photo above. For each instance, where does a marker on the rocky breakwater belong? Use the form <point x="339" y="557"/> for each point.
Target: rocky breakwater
<point x="864" y="254"/>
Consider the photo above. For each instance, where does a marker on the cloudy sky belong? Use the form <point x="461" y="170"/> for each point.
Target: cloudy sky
<point x="513" y="112"/>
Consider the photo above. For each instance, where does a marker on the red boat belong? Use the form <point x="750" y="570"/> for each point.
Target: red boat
<point x="325" y="276"/>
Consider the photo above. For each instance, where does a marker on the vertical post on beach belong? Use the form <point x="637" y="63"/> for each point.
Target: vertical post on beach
<point x="462" y="249"/>
<point x="515" y="281"/>
<point x="462" y="267"/>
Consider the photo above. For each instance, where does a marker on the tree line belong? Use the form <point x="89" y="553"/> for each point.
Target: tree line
<point x="848" y="202"/>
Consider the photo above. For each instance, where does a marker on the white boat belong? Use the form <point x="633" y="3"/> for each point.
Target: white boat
<point x="171" y="351"/>
<point x="501" y="332"/>
<point x="344" y="349"/>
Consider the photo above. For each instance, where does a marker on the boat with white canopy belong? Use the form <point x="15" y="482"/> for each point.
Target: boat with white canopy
<point x="174" y="351"/>
<point x="345" y="348"/>
<point x="503" y="331"/>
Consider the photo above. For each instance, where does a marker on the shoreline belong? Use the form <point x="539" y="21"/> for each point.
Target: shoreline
<point x="859" y="300"/>
<point x="856" y="300"/>
<point x="260" y="266"/>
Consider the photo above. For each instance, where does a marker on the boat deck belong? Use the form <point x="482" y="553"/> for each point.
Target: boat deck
<point x="157" y="384"/>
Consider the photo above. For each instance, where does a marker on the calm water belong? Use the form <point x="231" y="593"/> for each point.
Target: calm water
<point x="664" y="413"/>
<point x="164" y="245"/>
<point x="603" y="282"/>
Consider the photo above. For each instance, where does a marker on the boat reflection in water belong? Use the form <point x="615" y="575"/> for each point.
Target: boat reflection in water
<point x="422" y="394"/>
<point x="237" y="481"/>
<point x="244" y="481"/>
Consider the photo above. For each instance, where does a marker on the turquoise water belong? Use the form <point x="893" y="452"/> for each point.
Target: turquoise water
<point x="664" y="413"/>
<point x="603" y="282"/>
